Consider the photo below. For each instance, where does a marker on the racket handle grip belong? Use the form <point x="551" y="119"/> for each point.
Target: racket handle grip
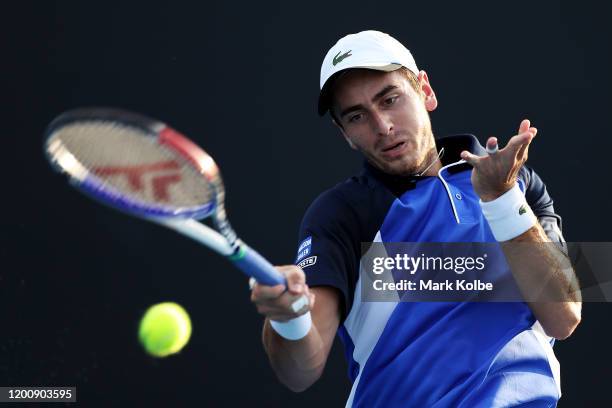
<point x="250" y="262"/>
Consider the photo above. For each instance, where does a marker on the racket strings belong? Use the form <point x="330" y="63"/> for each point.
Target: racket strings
<point x="129" y="161"/>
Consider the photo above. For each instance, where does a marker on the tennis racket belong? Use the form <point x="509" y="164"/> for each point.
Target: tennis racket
<point x="145" y="168"/>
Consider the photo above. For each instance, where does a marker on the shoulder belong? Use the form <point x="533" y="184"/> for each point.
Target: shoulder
<point x="344" y="197"/>
<point x="359" y="202"/>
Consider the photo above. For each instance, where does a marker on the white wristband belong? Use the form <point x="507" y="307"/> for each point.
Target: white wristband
<point x="509" y="215"/>
<point x="293" y="329"/>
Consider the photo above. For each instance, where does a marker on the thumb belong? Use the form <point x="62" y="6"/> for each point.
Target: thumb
<point x="296" y="280"/>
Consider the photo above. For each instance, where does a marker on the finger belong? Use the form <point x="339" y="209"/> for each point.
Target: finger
<point x="284" y="305"/>
<point x="470" y="158"/>
<point x="263" y="292"/>
<point x="525" y="124"/>
<point x="266" y="310"/>
<point x="300" y="304"/>
<point x="296" y="280"/>
<point x="270" y="310"/>
<point x="521" y="153"/>
<point x="524" y="150"/>
<point x="274" y="313"/>
<point x="306" y="300"/>
<point x="492" y="146"/>
<point x="516" y="143"/>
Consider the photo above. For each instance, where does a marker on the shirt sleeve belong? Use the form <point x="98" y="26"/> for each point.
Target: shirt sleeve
<point x="542" y="205"/>
<point x="328" y="248"/>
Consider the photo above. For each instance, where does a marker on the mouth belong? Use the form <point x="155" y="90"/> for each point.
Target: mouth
<point x="394" y="150"/>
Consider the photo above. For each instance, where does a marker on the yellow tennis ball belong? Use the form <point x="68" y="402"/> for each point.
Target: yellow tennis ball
<point x="164" y="329"/>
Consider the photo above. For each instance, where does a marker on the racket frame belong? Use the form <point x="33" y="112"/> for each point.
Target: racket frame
<point x="183" y="220"/>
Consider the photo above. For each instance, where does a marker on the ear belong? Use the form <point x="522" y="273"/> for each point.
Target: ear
<point x="431" y="102"/>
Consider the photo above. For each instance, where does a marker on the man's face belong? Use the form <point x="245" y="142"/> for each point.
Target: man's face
<point x="383" y="117"/>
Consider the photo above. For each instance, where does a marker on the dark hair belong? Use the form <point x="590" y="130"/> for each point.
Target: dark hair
<point x="408" y="74"/>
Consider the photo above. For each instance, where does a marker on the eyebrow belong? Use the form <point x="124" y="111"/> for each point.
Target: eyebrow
<point x="379" y="95"/>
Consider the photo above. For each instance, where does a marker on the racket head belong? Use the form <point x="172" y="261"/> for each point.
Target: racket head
<point x="135" y="164"/>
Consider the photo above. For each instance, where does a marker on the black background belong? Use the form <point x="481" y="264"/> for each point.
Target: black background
<point x="241" y="79"/>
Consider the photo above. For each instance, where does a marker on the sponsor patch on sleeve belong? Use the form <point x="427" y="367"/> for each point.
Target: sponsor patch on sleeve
<point x="304" y="249"/>
<point x="308" y="262"/>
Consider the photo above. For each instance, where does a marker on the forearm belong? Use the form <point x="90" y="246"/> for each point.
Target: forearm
<point x="297" y="364"/>
<point x="543" y="273"/>
<point x="546" y="279"/>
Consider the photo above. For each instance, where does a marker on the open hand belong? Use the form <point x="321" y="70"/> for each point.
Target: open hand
<point x="496" y="173"/>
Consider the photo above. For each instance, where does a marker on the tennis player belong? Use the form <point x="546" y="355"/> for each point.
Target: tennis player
<point x="417" y="188"/>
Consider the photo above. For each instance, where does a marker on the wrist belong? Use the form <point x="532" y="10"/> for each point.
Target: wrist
<point x="487" y="197"/>
<point x="508" y="215"/>
<point x="294" y="329"/>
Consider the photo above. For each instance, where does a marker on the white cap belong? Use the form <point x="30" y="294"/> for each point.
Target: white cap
<point x="366" y="49"/>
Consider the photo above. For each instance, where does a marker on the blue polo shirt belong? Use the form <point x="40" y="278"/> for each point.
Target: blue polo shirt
<point x="428" y="354"/>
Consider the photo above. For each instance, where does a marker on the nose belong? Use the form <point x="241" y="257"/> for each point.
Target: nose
<point x="381" y="123"/>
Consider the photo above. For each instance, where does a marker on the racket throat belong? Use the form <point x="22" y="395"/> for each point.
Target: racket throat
<point x="223" y="226"/>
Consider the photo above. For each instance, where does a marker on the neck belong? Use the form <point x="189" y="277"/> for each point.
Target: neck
<point x="432" y="164"/>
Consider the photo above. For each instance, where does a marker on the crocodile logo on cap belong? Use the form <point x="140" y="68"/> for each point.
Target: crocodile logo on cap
<point x="338" y="58"/>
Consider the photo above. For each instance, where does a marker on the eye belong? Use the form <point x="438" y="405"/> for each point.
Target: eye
<point x="390" y="100"/>
<point x="355" y="118"/>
